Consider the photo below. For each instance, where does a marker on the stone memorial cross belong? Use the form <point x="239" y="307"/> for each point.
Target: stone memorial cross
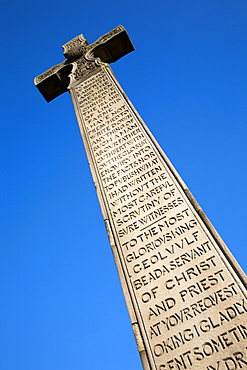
<point x="185" y="293"/>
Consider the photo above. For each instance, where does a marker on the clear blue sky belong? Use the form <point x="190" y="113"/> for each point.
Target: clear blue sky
<point x="61" y="305"/>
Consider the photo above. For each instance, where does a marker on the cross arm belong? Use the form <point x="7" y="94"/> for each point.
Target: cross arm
<point x="108" y="49"/>
<point x="112" y="46"/>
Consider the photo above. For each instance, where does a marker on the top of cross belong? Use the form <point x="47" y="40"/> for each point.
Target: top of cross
<point x="81" y="59"/>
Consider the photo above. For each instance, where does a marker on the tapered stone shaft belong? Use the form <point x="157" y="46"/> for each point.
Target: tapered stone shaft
<point x="185" y="293"/>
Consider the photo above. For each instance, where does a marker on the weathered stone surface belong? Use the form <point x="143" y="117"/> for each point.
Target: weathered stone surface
<point x="185" y="293"/>
<point x="81" y="58"/>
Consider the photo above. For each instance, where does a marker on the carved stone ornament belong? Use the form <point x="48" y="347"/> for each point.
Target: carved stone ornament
<point x="82" y="59"/>
<point x="75" y="47"/>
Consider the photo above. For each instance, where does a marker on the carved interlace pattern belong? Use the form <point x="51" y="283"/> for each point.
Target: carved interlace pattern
<point x="83" y="67"/>
<point x="75" y="47"/>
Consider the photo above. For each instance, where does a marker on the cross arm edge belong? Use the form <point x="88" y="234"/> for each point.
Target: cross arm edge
<point x="111" y="46"/>
<point x="54" y="81"/>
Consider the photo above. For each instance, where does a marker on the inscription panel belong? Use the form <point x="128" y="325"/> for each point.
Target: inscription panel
<point x="191" y="306"/>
